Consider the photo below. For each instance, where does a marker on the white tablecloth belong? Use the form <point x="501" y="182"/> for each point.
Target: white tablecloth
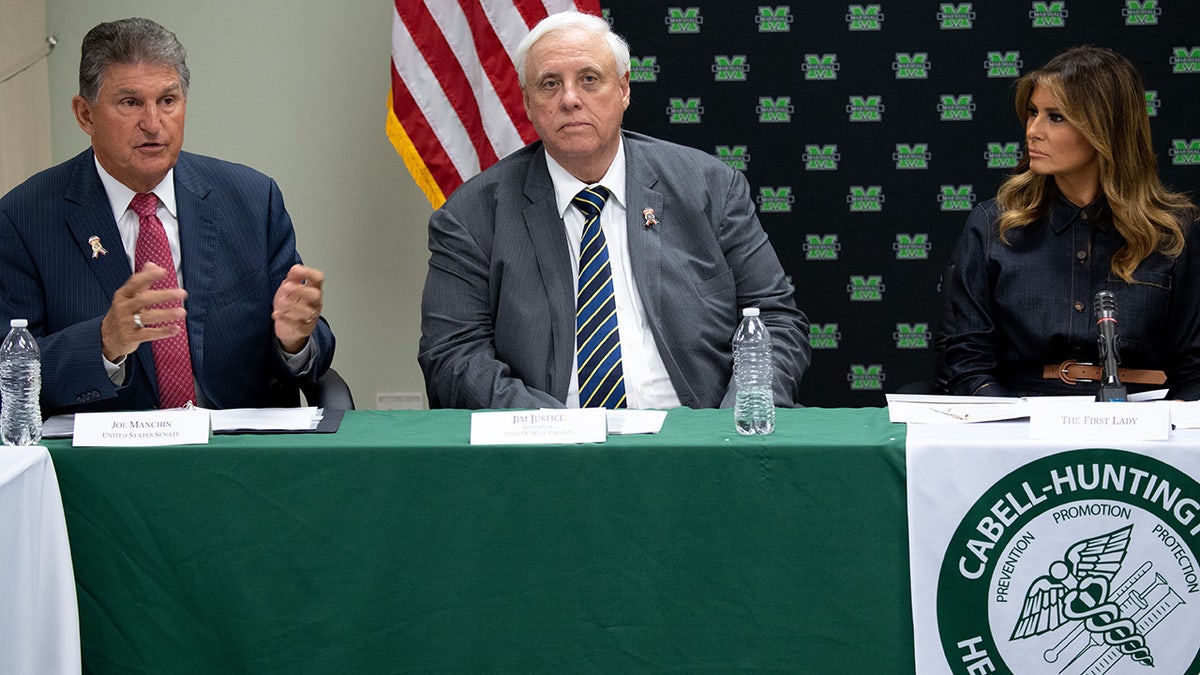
<point x="39" y="617"/>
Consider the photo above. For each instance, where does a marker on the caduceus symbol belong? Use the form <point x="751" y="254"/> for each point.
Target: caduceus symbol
<point x="1076" y="588"/>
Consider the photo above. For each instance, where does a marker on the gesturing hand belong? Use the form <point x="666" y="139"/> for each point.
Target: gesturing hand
<point x="137" y="314"/>
<point x="297" y="307"/>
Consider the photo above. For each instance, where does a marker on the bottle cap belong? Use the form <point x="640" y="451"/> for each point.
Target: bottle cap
<point x="18" y="323"/>
<point x="750" y="311"/>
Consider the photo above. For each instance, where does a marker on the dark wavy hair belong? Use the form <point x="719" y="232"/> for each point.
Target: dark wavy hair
<point x="129" y="41"/>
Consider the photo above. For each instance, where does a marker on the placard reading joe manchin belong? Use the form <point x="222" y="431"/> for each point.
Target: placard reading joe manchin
<point x="180" y="426"/>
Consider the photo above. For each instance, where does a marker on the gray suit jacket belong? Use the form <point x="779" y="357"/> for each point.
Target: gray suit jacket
<point x="498" y="311"/>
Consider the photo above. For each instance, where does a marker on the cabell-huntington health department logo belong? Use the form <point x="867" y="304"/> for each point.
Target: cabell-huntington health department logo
<point x="1081" y="562"/>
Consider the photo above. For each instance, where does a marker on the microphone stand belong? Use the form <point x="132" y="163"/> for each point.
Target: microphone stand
<point x="1111" y="389"/>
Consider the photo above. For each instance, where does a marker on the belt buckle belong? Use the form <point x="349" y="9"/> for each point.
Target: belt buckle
<point x="1063" y="369"/>
<point x="1064" y="372"/>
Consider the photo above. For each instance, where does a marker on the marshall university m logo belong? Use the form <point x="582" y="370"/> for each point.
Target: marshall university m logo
<point x="778" y="20"/>
<point x="775" y="200"/>
<point x="824" y="336"/>
<point x="865" y="288"/>
<point x="730" y="68"/>
<point x="911" y="66"/>
<point x="957" y="108"/>
<point x="915" y="156"/>
<point x="866" y="377"/>
<point x="736" y="156"/>
<point x="821" y="157"/>
<point x="865" y="17"/>
<point x="1049" y="14"/>
<point x="956" y="198"/>
<point x="912" y="246"/>
<point x="774" y="110"/>
<point x="821" y="247"/>
<point x="912" y="336"/>
<point x="681" y="20"/>
<point x="1186" y="60"/>
<point x="1001" y="65"/>
<point x="685" y="112"/>
<point x="865" y="108"/>
<point x="1185" y="152"/>
<point x="956" y="17"/>
<point x="1141" y="13"/>
<point x="1003" y="155"/>
<point x="820" y="66"/>
<point x="865" y="198"/>
<point x="643" y="69"/>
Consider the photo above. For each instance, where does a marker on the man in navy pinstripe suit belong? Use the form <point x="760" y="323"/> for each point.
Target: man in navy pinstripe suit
<point x="252" y="311"/>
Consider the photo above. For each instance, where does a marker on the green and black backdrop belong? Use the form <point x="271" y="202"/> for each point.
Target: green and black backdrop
<point x="868" y="131"/>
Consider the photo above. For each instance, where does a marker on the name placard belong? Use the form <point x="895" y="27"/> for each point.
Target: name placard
<point x="141" y="428"/>
<point x="1100" y="421"/>
<point x="527" y="427"/>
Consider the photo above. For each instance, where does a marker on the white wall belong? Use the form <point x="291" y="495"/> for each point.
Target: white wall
<point x="24" y="94"/>
<point x="298" y="90"/>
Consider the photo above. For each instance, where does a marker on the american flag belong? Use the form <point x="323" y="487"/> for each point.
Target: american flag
<point x="455" y="105"/>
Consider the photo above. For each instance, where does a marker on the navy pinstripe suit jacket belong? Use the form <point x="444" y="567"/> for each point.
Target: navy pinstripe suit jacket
<point x="237" y="245"/>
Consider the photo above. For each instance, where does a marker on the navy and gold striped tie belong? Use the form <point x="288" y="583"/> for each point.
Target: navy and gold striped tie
<point x="601" y="379"/>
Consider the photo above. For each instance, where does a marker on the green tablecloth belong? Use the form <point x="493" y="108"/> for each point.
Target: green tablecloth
<point x="394" y="546"/>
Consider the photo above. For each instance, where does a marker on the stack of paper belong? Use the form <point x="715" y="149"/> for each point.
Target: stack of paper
<point x="266" y="419"/>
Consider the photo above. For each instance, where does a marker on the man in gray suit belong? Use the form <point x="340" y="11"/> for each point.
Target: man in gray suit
<point x="679" y="246"/>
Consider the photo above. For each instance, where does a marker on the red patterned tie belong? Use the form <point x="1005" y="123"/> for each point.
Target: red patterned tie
<point x="172" y="360"/>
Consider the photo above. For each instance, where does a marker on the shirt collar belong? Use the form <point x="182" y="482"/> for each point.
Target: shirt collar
<point x="1063" y="213"/>
<point x="119" y="195"/>
<point x="567" y="186"/>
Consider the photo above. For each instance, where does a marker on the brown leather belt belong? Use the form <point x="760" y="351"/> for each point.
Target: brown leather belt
<point x="1071" y="372"/>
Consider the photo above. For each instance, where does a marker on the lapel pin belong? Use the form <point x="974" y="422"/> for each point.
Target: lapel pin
<point x="648" y="214"/>
<point x="97" y="248"/>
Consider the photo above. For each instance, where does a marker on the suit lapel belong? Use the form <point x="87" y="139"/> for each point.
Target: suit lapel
<point x="647" y="253"/>
<point x="92" y="217"/>
<point x="549" y="239"/>
<point x="200" y="223"/>
<point x="645" y="243"/>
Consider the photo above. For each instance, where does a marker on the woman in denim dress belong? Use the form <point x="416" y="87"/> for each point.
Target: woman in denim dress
<point x="1084" y="211"/>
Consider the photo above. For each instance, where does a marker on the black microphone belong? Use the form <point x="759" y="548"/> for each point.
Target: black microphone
<point x="1105" y="307"/>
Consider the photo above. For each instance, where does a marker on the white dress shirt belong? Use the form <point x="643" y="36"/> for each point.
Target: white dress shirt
<point x="129" y="224"/>
<point x="647" y="384"/>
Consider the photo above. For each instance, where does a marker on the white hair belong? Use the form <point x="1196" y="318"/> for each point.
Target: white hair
<point x="572" y="19"/>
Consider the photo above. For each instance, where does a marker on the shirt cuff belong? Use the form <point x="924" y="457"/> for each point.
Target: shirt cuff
<point x="301" y="361"/>
<point x="116" y="371"/>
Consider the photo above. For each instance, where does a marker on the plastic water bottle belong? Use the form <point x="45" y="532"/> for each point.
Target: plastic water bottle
<point x="20" y="384"/>
<point x="753" y="374"/>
